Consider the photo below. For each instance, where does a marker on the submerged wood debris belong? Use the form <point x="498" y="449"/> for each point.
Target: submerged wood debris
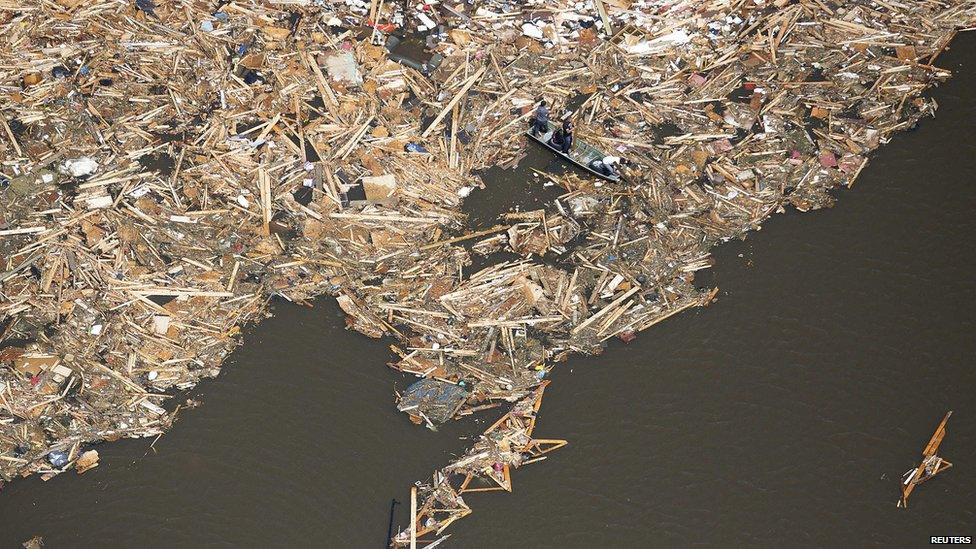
<point x="167" y="167"/>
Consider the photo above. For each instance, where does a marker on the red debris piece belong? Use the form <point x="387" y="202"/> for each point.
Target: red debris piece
<point x="627" y="336"/>
<point x="828" y="160"/>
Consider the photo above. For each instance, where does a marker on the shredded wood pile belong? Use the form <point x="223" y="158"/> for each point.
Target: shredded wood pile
<point x="169" y="166"/>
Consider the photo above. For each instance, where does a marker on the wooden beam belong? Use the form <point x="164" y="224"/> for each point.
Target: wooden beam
<point x="10" y="135"/>
<point x="457" y="97"/>
<point x="413" y="517"/>
<point x="606" y="309"/>
<point x="933" y="446"/>
<point x="264" y="185"/>
<point x="328" y="96"/>
<point x="603" y="15"/>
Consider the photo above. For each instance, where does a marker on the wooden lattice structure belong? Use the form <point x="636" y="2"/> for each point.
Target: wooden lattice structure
<point x="931" y="464"/>
<point x="505" y="445"/>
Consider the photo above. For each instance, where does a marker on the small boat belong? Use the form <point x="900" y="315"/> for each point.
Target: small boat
<point x="580" y="155"/>
<point x="931" y="464"/>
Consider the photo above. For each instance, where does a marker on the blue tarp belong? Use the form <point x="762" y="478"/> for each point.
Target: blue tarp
<point x="438" y="400"/>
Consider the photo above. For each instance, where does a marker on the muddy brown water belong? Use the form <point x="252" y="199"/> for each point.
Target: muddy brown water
<point x="784" y="414"/>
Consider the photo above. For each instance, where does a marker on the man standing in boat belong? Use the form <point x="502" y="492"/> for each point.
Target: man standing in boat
<point x="567" y="135"/>
<point x="541" y="121"/>
<point x="562" y="139"/>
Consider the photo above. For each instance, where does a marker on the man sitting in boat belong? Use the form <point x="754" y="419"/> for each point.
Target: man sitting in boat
<point x="562" y="139"/>
<point x="608" y="165"/>
<point x="541" y="120"/>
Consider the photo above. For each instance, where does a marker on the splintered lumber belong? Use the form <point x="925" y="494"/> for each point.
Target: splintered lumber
<point x="462" y="238"/>
<point x="10" y="135"/>
<point x="457" y="97"/>
<point x="613" y="305"/>
<point x="603" y="16"/>
<point x="323" y="85"/>
<point x="217" y="159"/>
<point x="933" y="446"/>
<point x="930" y="466"/>
<point x="265" y="185"/>
<point x="503" y="447"/>
<point x="413" y="517"/>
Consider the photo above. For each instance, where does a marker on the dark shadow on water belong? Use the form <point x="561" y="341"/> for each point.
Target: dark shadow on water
<point x="514" y="190"/>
